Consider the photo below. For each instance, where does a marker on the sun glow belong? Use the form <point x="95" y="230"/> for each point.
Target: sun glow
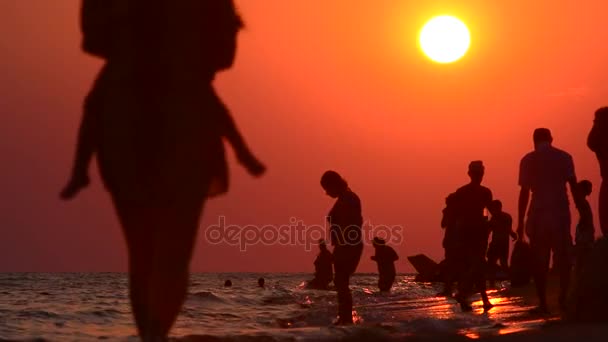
<point x="445" y="39"/>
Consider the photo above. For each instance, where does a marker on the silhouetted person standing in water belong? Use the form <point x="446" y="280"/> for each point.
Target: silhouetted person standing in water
<point x="323" y="268"/>
<point x="501" y="227"/>
<point x="261" y="282"/>
<point x="345" y="222"/>
<point x="545" y="172"/>
<point x="158" y="129"/>
<point x="472" y="200"/>
<point x="385" y="258"/>
<point x="598" y="143"/>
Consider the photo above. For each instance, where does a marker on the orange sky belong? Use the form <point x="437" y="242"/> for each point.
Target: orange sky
<point x="317" y="85"/>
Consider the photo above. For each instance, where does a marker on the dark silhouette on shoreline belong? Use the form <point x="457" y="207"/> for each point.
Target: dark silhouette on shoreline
<point x="472" y="231"/>
<point x="323" y="268"/>
<point x="451" y="245"/>
<point x="345" y="222"/>
<point x="385" y="257"/>
<point x="598" y="143"/>
<point x="585" y="230"/>
<point x="501" y="228"/>
<point x="156" y="125"/>
<point x="545" y="172"/>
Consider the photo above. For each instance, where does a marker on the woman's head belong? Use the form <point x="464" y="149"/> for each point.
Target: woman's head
<point x="333" y="184"/>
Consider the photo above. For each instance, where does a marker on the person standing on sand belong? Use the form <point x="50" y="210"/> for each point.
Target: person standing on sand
<point x="471" y="202"/>
<point x="544" y="173"/>
<point x="385" y="258"/>
<point x="598" y="143"/>
<point x="345" y="223"/>
<point x="158" y="136"/>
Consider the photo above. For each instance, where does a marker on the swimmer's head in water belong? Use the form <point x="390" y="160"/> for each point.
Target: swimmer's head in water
<point x="585" y="188"/>
<point x="261" y="282"/>
<point x="333" y="184"/>
<point x="228" y="283"/>
<point x="476" y="171"/>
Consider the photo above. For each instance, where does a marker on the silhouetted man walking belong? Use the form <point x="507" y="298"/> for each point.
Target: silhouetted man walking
<point x="545" y="172"/>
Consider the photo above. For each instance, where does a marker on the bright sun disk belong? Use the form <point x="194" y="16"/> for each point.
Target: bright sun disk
<point x="445" y="39"/>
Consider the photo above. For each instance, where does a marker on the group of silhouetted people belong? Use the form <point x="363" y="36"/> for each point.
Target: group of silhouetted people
<point x="543" y="215"/>
<point x="156" y="125"/>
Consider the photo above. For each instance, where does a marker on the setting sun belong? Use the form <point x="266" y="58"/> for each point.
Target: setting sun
<point x="445" y="39"/>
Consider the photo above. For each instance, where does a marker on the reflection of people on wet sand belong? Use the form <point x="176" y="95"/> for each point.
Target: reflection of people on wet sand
<point x="585" y="231"/>
<point x="451" y="245"/>
<point x="472" y="199"/>
<point x="545" y="172"/>
<point x="345" y="222"/>
<point x="598" y="143"/>
<point x="323" y="268"/>
<point x="501" y="227"/>
<point x="88" y="134"/>
<point x="385" y="258"/>
<point x="158" y="129"/>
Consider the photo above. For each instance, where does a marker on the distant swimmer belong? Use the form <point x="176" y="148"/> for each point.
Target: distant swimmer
<point x="385" y="258"/>
<point x="228" y="283"/>
<point x="323" y="268"/>
<point x="261" y="282"/>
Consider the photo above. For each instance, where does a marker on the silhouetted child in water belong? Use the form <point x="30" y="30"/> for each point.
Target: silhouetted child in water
<point x="93" y="107"/>
<point x="585" y="231"/>
<point x="501" y="227"/>
<point x="385" y="258"/>
<point x="451" y="245"/>
<point x="323" y="268"/>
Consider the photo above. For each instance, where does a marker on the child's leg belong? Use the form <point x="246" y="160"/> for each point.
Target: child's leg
<point x="85" y="147"/>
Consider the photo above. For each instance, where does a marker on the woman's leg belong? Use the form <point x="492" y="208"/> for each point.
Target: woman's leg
<point x="139" y="246"/>
<point x="174" y="245"/>
<point x="160" y="241"/>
